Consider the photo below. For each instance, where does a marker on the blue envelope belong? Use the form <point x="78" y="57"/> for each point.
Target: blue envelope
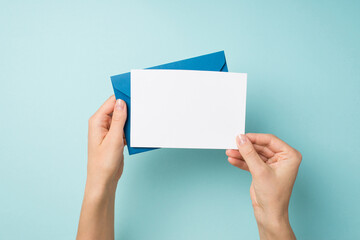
<point x="121" y="83"/>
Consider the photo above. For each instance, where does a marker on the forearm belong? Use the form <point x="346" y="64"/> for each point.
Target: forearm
<point x="97" y="212"/>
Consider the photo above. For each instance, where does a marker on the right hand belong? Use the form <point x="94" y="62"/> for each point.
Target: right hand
<point x="273" y="165"/>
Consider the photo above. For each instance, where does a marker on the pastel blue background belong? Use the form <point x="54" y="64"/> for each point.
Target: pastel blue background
<point x="56" y="59"/>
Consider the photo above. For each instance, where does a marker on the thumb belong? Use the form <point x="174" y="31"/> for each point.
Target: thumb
<point x="116" y="131"/>
<point x="251" y="157"/>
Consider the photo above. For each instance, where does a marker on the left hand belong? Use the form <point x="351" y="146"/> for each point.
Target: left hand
<point x="106" y="143"/>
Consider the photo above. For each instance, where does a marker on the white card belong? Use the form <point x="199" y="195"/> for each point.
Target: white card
<point x="187" y="109"/>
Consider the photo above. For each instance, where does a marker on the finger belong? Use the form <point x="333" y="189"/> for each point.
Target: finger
<point x="272" y="142"/>
<point x="116" y="132"/>
<point x="254" y="162"/>
<point x="238" y="163"/>
<point x="233" y="153"/>
<point x="236" y="154"/>
<point x="99" y="122"/>
<point x="263" y="151"/>
<point x="108" y="106"/>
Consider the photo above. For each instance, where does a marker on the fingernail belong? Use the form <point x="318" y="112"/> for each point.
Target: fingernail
<point x="120" y="104"/>
<point x="241" y="139"/>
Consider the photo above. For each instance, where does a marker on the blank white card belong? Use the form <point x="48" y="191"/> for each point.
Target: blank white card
<point x="187" y="109"/>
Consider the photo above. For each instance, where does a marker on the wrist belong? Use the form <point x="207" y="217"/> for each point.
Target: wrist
<point x="98" y="190"/>
<point x="274" y="226"/>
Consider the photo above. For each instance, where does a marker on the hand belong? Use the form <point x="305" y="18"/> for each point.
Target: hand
<point x="106" y="143"/>
<point x="105" y="166"/>
<point x="273" y="165"/>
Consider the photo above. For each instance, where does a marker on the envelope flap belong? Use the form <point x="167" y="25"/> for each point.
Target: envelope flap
<point x="121" y="82"/>
<point x="210" y="62"/>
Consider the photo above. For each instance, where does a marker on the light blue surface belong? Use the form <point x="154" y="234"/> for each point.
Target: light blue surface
<point x="303" y="65"/>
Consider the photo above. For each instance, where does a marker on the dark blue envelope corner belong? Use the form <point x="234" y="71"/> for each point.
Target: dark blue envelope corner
<point x="121" y="83"/>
